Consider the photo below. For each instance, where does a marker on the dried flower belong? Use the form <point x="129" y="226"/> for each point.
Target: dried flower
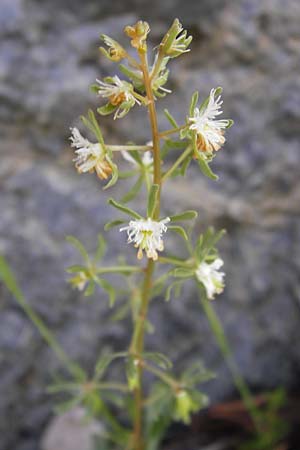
<point x="90" y="157"/>
<point x="209" y="132"/>
<point x="209" y="276"/>
<point x="120" y="94"/>
<point x="147" y="235"/>
<point x="138" y="34"/>
<point x="115" y="51"/>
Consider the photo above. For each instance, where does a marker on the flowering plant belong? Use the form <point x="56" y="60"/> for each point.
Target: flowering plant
<point x="199" y="139"/>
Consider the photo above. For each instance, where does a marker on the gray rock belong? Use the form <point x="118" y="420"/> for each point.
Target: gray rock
<point x="49" y="56"/>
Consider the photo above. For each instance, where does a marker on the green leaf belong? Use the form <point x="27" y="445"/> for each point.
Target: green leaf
<point x="132" y="193"/>
<point x="79" y="246"/>
<point x="206" y="243"/>
<point x="152" y="200"/>
<point x="159" y="359"/>
<point x="186" y="215"/>
<point x="114" y="223"/>
<point x="101" y="248"/>
<point x="181" y="272"/>
<point x="175" y="285"/>
<point x="185" y="165"/>
<point x="171" y="119"/>
<point x="104" y="361"/>
<point x="76" y="268"/>
<point x="124" y="209"/>
<point x="205" y="169"/>
<point x="179" y="230"/>
<point x="194" y="101"/>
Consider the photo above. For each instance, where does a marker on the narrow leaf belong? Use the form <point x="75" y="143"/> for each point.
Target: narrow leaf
<point x="179" y="230"/>
<point x="171" y="119"/>
<point x="186" y="215"/>
<point x="114" y="223"/>
<point x="124" y="209"/>
<point x="79" y="246"/>
<point x="194" y="101"/>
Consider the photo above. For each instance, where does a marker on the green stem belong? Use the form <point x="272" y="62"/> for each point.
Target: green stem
<point x="137" y="344"/>
<point x="122" y="269"/>
<point x="171" y="131"/>
<point x="224" y="346"/>
<point x="177" y="163"/>
<point x="129" y="148"/>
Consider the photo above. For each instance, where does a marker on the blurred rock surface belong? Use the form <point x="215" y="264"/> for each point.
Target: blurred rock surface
<point x="49" y="56"/>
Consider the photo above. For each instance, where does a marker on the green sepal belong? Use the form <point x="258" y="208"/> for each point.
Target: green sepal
<point x="171" y="119"/>
<point x="186" y="215"/>
<point x="159" y="359"/>
<point x="205" y="169"/>
<point x="115" y="173"/>
<point x="79" y="246"/>
<point x="170" y="36"/>
<point x="230" y="123"/>
<point x="194" y="101"/>
<point x="152" y="200"/>
<point x="106" y="109"/>
<point x="132" y="193"/>
<point x="124" y="209"/>
<point x="179" y="230"/>
<point x="113" y="223"/>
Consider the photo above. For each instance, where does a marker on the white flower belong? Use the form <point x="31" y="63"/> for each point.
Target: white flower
<point x="119" y="93"/>
<point x="147" y="235"/>
<point x="209" y="276"/>
<point x="79" y="281"/>
<point x="89" y="156"/>
<point x="209" y="130"/>
<point x="147" y="158"/>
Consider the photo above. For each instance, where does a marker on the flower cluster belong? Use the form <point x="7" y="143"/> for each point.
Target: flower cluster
<point x="147" y="235"/>
<point x="90" y="157"/>
<point x="138" y="34"/>
<point x="210" y="277"/>
<point x="209" y="131"/>
<point x="120" y="94"/>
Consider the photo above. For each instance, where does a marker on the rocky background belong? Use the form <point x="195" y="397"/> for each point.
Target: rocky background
<point x="48" y="58"/>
